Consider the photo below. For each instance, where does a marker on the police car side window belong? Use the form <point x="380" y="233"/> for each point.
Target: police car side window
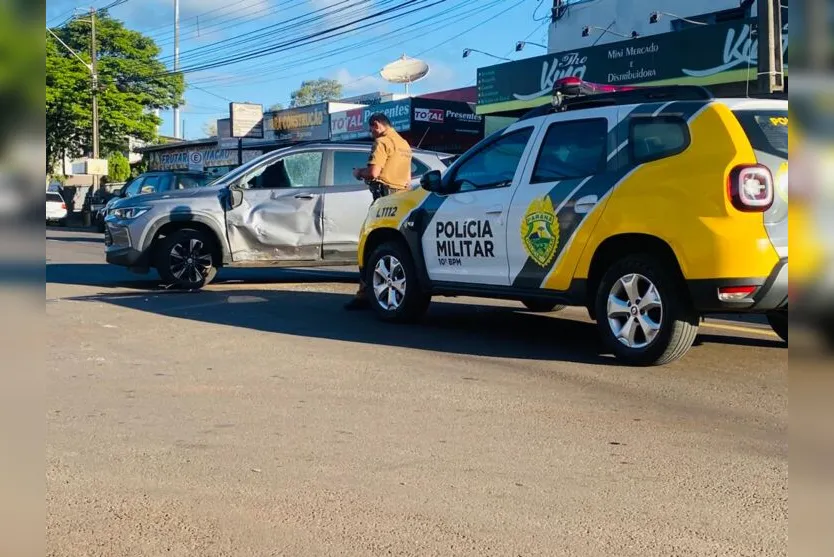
<point x="574" y="149"/>
<point x="417" y="169"/>
<point x="657" y="137"/>
<point x="494" y="165"/>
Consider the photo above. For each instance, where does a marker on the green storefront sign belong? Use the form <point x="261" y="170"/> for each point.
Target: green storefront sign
<point x="708" y="55"/>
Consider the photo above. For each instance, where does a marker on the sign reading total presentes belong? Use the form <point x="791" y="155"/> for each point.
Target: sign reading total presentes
<point x="702" y="55"/>
<point x="353" y="124"/>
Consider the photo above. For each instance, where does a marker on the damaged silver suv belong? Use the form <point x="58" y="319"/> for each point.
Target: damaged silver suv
<point x="295" y="207"/>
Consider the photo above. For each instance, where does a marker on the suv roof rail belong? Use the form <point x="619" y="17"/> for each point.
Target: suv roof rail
<point x="572" y="93"/>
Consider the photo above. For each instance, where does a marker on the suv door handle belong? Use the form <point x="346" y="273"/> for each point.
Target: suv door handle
<point x="304" y="196"/>
<point x="497" y="210"/>
<point x="585" y="204"/>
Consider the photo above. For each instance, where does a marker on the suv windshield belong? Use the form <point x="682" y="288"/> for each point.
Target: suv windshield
<point x="766" y="129"/>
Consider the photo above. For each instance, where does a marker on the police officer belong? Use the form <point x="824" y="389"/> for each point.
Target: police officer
<point x="388" y="171"/>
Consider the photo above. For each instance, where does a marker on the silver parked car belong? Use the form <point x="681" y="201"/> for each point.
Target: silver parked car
<point x="295" y="207"/>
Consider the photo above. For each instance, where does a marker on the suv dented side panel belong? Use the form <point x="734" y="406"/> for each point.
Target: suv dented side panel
<point x="693" y="215"/>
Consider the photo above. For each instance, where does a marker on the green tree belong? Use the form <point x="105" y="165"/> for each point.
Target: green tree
<point x="316" y="91"/>
<point x="133" y="82"/>
<point x="118" y="167"/>
<point x="276" y="107"/>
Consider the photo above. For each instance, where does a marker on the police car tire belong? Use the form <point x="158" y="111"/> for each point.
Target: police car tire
<point x="779" y="323"/>
<point x="679" y="324"/>
<point x="542" y="306"/>
<point x="415" y="302"/>
<point x="163" y="260"/>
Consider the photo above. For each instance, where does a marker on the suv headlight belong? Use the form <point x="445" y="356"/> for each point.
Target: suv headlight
<point x="129" y="213"/>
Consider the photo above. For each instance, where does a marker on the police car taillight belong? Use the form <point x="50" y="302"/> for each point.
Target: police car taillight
<point x="750" y="188"/>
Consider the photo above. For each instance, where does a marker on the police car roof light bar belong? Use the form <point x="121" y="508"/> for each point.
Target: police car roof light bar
<point x="573" y="92"/>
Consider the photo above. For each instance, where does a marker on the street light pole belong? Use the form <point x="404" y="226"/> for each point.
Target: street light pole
<point x="177" y="63"/>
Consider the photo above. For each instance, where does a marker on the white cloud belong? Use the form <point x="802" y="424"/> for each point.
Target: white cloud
<point x="440" y="78"/>
<point x="354" y="84"/>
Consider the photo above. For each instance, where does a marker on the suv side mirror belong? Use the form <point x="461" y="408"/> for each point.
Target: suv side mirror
<point x="235" y="195"/>
<point x="432" y="181"/>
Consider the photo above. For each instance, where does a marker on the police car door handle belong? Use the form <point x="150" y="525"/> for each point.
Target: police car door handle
<point x="304" y="196"/>
<point x="586" y="204"/>
<point x="497" y="210"/>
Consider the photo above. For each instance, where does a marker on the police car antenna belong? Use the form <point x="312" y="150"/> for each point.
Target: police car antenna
<point x="424" y="137"/>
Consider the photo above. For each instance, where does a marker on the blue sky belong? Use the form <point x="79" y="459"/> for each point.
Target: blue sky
<point x="494" y="26"/>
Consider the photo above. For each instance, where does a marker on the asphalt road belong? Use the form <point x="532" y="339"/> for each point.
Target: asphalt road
<point x="258" y="418"/>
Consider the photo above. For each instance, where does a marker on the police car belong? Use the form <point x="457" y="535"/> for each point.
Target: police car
<point x="649" y="206"/>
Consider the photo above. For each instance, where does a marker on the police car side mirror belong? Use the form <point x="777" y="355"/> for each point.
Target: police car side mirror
<point x="432" y="181"/>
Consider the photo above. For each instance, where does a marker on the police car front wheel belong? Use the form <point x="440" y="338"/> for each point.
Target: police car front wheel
<point x="393" y="284"/>
<point x="643" y="314"/>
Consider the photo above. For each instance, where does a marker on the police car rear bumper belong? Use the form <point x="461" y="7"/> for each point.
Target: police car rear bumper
<point x="721" y="295"/>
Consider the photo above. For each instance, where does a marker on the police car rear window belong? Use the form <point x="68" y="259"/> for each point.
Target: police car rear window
<point x="766" y="129"/>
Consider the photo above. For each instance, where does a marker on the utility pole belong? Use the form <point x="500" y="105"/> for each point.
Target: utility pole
<point x="177" y="63"/>
<point x="94" y="70"/>
<point x="771" y="71"/>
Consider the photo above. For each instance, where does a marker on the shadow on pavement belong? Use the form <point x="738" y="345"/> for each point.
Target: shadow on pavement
<point x="490" y="331"/>
<point x="112" y="276"/>
<point x="76" y="239"/>
<point x="452" y="328"/>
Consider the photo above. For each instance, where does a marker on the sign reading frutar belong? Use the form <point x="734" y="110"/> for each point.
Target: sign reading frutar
<point x="197" y="159"/>
<point x="353" y="124"/>
<point x="703" y="55"/>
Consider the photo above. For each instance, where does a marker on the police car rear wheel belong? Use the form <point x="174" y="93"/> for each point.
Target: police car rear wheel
<point x="643" y="314"/>
<point x="542" y="306"/>
<point x="393" y="284"/>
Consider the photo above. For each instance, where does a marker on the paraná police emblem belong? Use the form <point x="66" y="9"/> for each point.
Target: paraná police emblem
<point x="540" y="231"/>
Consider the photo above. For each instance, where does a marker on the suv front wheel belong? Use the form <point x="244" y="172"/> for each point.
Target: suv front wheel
<point x="393" y="285"/>
<point x="185" y="259"/>
<point x="642" y="314"/>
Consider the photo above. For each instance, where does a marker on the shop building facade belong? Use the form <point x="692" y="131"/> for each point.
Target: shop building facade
<point x="720" y="56"/>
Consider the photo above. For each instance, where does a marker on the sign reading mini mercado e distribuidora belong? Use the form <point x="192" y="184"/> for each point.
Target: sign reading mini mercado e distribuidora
<point x="705" y="55"/>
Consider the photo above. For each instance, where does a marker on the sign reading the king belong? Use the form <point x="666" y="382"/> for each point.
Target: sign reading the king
<point x="540" y="231"/>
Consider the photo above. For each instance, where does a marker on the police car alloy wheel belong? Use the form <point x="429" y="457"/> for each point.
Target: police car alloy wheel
<point x="393" y="285"/>
<point x="643" y="313"/>
<point x="389" y="282"/>
<point x="185" y="259"/>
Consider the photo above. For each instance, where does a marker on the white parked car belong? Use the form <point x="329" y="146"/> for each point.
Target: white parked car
<point x="56" y="208"/>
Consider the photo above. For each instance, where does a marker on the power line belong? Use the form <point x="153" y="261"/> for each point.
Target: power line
<point x="311" y="38"/>
<point x="221" y="24"/>
<point x="396" y="36"/>
<point x="252" y="37"/>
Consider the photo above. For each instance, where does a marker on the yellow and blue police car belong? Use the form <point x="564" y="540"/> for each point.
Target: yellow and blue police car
<point x="649" y="206"/>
